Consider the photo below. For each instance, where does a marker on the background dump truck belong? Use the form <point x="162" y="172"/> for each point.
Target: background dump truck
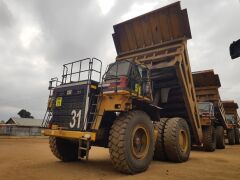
<point x="211" y="111"/>
<point x="233" y="124"/>
<point x="146" y="97"/>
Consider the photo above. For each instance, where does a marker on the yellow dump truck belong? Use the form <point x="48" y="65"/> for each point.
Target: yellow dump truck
<point x="144" y="107"/>
<point x="233" y="124"/>
<point x="211" y="111"/>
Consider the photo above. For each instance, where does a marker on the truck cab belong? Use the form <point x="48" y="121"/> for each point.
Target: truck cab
<point x="208" y="122"/>
<point x="206" y="112"/>
<point x="231" y="119"/>
<point x="126" y="76"/>
<point x="232" y="122"/>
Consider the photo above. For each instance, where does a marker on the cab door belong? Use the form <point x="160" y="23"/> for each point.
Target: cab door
<point x="135" y="80"/>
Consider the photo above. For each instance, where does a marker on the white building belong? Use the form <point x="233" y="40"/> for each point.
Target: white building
<point x="21" y="127"/>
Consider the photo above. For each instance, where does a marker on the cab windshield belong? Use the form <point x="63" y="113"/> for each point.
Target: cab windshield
<point x="230" y="118"/>
<point x="118" y="69"/>
<point x="204" y="107"/>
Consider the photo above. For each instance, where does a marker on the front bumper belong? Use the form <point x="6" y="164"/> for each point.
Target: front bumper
<point x="69" y="134"/>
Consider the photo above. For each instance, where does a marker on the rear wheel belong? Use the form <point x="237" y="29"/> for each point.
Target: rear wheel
<point x="159" y="152"/>
<point x="177" y="141"/>
<point x="131" y="142"/>
<point x="63" y="149"/>
<point x="209" y="138"/>
<point x="231" y="137"/>
<point x="220" y="141"/>
<point x="237" y="136"/>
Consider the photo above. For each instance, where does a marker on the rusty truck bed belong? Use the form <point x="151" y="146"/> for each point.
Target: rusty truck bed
<point x="206" y="85"/>
<point x="158" y="39"/>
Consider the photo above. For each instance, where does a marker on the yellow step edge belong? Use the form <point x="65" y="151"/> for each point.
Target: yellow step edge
<point x="69" y="134"/>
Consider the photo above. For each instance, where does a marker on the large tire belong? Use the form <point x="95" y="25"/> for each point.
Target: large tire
<point x="177" y="140"/>
<point x="124" y="142"/>
<point x="220" y="141"/>
<point x="237" y="136"/>
<point x="231" y="137"/>
<point x="63" y="149"/>
<point x="209" y="138"/>
<point x="159" y="152"/>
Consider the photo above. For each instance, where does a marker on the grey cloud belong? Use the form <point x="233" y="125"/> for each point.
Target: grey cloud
<point x="6" y="18"/>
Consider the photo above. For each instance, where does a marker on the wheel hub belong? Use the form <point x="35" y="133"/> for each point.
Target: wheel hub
<point x="183" y="141"/>
<point x="140" y="142"/>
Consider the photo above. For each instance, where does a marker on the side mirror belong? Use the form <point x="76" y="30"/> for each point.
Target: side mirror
<point x="235" y="49"/>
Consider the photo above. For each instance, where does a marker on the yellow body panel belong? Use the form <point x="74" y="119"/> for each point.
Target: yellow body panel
<point x="110" y="99"/>
<point x="69" y="134"/>
<point x="108" y="102"/>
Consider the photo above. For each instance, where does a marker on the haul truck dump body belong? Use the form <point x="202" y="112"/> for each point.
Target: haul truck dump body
<point x="206" y="85"/>
<point x="159" y="40"/>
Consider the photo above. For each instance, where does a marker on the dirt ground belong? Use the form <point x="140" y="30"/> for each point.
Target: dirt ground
<point x="32" y="159"/>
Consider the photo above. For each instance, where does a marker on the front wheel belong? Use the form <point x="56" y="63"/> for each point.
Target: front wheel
<point x="131" y="142"/>
<point x="237" y="136"/>
<point x="220" y="141"/>
<point x="63" y="149"/>
<point x="209" y="138"/>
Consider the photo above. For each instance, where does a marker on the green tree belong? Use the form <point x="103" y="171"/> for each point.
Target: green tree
<point x="23" y="113"/>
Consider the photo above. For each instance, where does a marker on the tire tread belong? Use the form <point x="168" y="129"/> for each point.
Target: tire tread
<point x="117" y="135"/>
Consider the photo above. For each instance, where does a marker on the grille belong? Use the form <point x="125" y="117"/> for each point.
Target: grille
<point x="70" y="115"/>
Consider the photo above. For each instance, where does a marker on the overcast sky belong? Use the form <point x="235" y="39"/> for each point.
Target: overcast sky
<point x="38" y="36"/>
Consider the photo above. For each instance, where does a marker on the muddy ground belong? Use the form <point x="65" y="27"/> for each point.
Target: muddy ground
<point x="32" y="159"/>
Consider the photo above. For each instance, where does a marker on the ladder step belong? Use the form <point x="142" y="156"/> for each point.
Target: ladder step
<point x="84" y="147"/>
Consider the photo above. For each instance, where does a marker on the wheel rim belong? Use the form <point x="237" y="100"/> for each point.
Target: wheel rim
<point x="183" y="140"/>
<point x="140" y="142"/>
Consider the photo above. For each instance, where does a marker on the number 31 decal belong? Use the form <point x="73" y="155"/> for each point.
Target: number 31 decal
<point x="75" y="119"/>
